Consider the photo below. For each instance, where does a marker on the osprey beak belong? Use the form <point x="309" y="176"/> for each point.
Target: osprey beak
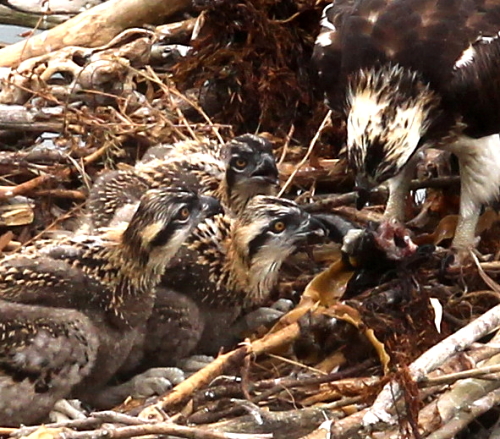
<point x="266" y="170"/>
<point x="363" y="187"/>
<point x="312" y="227"/>
<point x="210" y="206"/>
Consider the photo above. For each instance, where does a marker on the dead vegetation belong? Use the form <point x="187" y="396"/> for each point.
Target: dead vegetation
<point x="373" y="348"/>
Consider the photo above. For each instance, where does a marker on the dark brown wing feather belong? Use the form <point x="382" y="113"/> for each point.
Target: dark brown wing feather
<point x="475" y="90"/>
<point x="428" y="36"/>
<point x="47" y="282"/>
<point x="44" y="352"/>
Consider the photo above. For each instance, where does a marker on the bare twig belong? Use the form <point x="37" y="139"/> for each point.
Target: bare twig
<point x="163" y="428"/>
<point x="201" y="378"/>
<point x="326" y="120"/>
<point x="466" y="415"/>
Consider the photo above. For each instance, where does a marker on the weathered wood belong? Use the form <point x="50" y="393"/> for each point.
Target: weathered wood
<point x="18" y="117"/>
<point x="92" y="28"/>
<point x="50" y="7"/>
<point x="289" y="424"/>
<point x="9" y="16"/>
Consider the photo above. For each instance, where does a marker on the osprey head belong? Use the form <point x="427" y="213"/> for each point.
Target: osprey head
<point x="251" y="169"/>
<point x="389" y="110"/>
<point x="272" y="228"/>
<point x="162" y="222"/>
<point x="264" y="235"/>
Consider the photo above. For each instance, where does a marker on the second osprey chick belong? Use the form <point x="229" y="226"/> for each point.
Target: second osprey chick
<point x="233" y="173"/>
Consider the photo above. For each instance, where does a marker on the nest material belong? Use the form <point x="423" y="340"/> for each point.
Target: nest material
<point x="252" y="58"/>
<point x="249" y="70"/>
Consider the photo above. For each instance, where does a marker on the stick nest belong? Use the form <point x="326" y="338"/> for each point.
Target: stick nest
<point x="324" y="369"/>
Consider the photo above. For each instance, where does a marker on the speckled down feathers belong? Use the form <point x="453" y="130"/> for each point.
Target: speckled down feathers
<point x="214" y="265"/>
<point x="231" y="264"/>
<point x="198" y="269"/>
<point x="73" y="303"/>
<point x="200" y="166"/>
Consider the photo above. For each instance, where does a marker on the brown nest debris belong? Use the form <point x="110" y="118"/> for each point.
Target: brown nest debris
<point x="250" y="65"/>
<point x="384" y="340"/>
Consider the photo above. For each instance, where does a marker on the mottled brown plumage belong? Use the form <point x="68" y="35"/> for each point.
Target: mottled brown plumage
<point x="71" y="308"/>
<point x="229" y="265"/>
<point x="415" y="74"/>
<point x="233" y="173"/>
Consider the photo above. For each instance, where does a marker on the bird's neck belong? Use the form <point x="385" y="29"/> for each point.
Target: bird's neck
<point x="231" y="197"/>
<point x="255" y="278"/>
<point x="236" y="196"/>
<point x="132" y="292"/>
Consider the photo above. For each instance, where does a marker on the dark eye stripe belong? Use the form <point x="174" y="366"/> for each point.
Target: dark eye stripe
<point x="260" y="240"/>
<point x="256" y="244"/>
<point x="164" y="236"/>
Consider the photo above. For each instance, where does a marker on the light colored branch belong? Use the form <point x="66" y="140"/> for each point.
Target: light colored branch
<point x="92" y="28"/>
<point x="466" y="415"/>
<point x="9" y="16"/>
<point x="430" y="360"/>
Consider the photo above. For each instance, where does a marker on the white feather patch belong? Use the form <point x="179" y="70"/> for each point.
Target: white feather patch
<point x="325" y="22"/>
<point x="466" y="58"/>
<point x="438" y="313"/>
<point x="325" y="39"/>
<point x="365" y="109"/>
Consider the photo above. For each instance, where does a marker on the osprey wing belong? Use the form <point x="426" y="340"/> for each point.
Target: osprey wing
<point x="427" y="36"/>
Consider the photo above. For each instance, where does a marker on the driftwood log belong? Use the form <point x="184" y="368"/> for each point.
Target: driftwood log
<point x="95" y="27"/>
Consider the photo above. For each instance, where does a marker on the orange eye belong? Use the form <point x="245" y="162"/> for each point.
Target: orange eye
<point x="184" y="213"/>
<point x="279" y="226"/>
<point x="240" y="163"/>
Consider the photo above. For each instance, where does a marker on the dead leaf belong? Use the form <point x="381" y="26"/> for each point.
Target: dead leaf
<point x="329" y="286"/>
<point x="348" y="314"/>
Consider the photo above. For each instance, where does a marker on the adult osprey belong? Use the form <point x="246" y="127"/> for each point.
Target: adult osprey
<point x="413" y="74"/>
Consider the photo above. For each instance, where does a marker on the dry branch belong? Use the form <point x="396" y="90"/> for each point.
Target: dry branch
<point x="185" y="389"/>
<point x="92" y="28"/>
<point x="430" y="360"/>
<point x="18" y="117"/>
<point x="11" y="17"/>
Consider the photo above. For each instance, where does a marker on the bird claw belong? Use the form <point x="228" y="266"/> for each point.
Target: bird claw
<point x="283" y="305"/>
<point x="194" y="363"/>
<point x="456" y="258"/>
<point x="155" y="381"/>
<point x="265" y="316"/>
<point x="67" y="410"/>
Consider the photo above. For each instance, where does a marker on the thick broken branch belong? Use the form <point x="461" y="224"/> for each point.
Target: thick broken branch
<point x="92" y="28"/>
<point x="430" y="360"/>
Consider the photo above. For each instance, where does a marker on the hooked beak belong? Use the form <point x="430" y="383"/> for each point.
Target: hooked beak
<point x="266" y="171"/>
<point x="363" y="187"/>
<point x="312" y="227"/>
<point x="210" y="206"/>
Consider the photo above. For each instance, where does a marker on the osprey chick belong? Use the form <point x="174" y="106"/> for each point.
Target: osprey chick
<point x="71" y="308"/>
<point x="410" y="75"/>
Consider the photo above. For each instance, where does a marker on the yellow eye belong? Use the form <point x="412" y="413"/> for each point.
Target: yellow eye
<point x="279" y="226"/>
<point x="184" y="213"/>
<point x="240" y="163"/>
